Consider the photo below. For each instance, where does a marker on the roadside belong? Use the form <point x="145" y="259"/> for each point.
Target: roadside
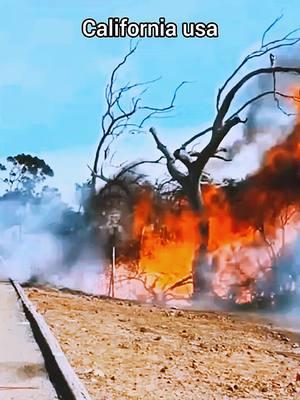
<point x="123" y="350"/>
<point x="22" y="372"/>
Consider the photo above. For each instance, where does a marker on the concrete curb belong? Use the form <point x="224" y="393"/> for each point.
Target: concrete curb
<point x="64" y="379"/>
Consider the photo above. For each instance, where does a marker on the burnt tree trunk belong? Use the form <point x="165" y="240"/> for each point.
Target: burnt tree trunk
<point x="200" y="270"/>
<point x="201" y="285"/>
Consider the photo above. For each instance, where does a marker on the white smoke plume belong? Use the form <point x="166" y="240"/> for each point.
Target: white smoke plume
<point x="34" y="247"/>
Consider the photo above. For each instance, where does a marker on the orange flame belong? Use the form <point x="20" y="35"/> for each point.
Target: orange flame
<point x="250" y="225"/>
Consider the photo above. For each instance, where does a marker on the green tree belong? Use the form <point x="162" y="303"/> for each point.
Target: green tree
<point x="24" y="173"/>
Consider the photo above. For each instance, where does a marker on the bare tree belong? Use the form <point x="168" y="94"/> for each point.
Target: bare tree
<point x="224" y="121"/>
<point x="124" y="113"/>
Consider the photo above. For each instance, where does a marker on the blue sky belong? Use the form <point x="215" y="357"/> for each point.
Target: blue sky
<point x="52" y="78"/>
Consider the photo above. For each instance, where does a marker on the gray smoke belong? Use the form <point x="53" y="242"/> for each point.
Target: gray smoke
<point x="42" y="240"/>
<point x="270" y="116"/>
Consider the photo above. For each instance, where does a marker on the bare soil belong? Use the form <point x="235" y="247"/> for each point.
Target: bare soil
<point x="124" y="350"/>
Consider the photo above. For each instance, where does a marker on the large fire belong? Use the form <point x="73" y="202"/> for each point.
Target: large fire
<point x="253" y="225"/>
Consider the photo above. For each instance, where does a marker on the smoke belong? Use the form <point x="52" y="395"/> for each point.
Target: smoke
<point x="289" y="318"/>
<point x="43" y="240"/>
<point x="269" y="119"/>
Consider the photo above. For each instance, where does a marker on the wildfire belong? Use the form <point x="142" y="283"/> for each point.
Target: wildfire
<point x="252" y="226"/>
<point x="167" y="248"/>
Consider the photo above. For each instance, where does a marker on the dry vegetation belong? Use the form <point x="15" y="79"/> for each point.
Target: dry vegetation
<point x="124" y="350"/>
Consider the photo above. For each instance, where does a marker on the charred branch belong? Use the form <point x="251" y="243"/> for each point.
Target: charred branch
<point x="235" y="89"/>
<point x="132" y="166"/>
<point x="197" y="136"/>
<point x="119" y="118"/>
<point x="265" y="48"/>
<point x="273" y="93"/>
<point x="221" y="158"/>
<point x="170" y="160"/>
<point x="185" y="281"/>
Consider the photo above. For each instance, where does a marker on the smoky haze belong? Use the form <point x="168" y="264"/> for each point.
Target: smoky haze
<point x="45" y="241"/>
<point x="269" y="117"/>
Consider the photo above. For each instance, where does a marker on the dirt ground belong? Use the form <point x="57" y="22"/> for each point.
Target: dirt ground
<point x="123" y="350"/>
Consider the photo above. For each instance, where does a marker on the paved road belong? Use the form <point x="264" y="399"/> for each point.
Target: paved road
<point x="22" y="372"/>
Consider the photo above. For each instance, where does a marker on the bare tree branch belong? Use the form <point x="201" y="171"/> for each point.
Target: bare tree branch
<point x="133" y="165"/>
<point x="268" y="29"/>
<point x="156" y="110"/>
<point x="182" y="282"/>
<point x="174" y="172"/>
<point x="261" y="95"/>
<point x="119" y="117"/>
<point x="202" y="133"/>
<point x="231" y="94"/>
<point x="265" y="48"/>
<point x="221" y="158"/>
<point x="172" y="100"/>
<point x="100" y="176"/>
